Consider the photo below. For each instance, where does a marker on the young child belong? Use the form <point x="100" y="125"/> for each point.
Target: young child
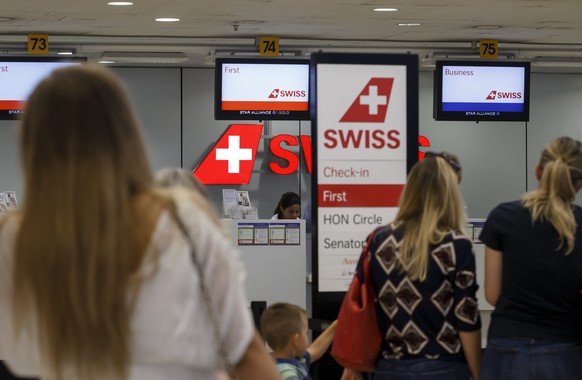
<point x="284" y="327"/>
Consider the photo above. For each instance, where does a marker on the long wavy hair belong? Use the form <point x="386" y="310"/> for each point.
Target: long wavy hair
<point x="561" y="175"/>
<point x="430" y="207"/>
<point x="77" y="249"/>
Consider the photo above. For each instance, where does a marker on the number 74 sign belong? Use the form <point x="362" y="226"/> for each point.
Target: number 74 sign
<point x="269" y="46"/>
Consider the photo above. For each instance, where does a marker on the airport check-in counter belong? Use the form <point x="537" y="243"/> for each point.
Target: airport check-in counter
<point x="274" y="254"/>
<point x="474" y="228"/>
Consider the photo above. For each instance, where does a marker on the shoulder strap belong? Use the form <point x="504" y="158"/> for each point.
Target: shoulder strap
<point x="204" y="292"/>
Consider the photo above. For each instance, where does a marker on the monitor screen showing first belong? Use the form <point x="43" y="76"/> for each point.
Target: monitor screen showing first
<point x="261" y="89"/>
<point x="19" y="77"/>
<point x="481" y="91"/>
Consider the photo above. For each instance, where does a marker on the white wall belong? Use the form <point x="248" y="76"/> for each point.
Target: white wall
<point x="176" y="108"/>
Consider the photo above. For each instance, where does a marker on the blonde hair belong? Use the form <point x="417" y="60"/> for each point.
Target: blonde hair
<point x="76" y="250"/>
<point x="180" y="178"/>
<point x="430" y="208"/>
<point x="279" y="322"/>
<point x="168" y="177"/>
<point x="561" y="172"/>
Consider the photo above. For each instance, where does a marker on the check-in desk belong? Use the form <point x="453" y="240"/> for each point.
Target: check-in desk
<point x="274" y="254"/>
<point x="474" y="228"/>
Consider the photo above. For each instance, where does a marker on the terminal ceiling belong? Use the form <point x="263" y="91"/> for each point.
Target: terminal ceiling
<point x="536" y="30"/>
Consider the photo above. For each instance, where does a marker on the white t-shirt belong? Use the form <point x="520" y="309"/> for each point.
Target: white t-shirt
<point x="276" y="217"/>
<point x="173" y="337"/>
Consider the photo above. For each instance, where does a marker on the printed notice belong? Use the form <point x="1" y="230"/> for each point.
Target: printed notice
<point x="277" y="234"/>
<point x="292" y="236"/>
<point x="265" y="233"/>
<point x="246" y="234"/>
<point x="261" y="234"/>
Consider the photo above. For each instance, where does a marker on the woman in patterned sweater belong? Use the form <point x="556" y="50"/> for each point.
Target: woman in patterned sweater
<point x="423" y="271"/>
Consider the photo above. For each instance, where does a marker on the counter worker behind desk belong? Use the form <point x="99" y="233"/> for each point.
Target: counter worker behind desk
<point x="289" y="207"/>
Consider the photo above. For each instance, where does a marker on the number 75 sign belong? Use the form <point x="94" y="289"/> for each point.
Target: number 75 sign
<point x="488" y="49"/>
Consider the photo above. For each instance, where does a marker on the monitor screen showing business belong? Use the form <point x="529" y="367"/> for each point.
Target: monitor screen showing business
<point x="481" y="91"/>
<point x="19" y="77"/>
<point x="261" y="89"/>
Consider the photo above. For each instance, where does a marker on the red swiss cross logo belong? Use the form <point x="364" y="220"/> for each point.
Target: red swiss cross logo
<point x="232" y="158"/>
<point x="371" y="104"/>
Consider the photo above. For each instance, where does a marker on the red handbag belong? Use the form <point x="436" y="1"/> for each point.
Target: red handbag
<point x="357" y="339"/>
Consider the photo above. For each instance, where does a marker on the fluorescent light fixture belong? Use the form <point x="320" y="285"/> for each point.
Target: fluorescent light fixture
<point x="385" y="9"/>
<point x="167" y="19"/>
<point x="105" y="62"/>
<point x="143" y="57"/>
<point x="575" y="62"/>
<point x="120" y="3"/>
<point x="65" y="52"/>
<point x="410" y="24"/>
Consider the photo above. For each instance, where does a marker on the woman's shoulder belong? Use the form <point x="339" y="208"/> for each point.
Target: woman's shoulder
<point x="508" y="209"/>
<point x="510" y="205"/>
<point x="8" y="227"/>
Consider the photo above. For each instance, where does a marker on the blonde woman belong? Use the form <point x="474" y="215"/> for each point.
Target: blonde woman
<point x="423" y="272"/>
<point x="96" y="279"/>
<point x="533" y="274"/>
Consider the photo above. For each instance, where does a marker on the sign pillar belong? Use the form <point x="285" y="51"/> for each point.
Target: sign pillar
<point x="365" y="131"/>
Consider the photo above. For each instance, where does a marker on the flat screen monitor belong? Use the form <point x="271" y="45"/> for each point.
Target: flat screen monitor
<point x="481" y="91"/>
<point x="261" y="89"/>
<point x="19" y="77"/>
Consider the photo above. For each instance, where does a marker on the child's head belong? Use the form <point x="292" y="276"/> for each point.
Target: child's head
<point x="283" y="323"/>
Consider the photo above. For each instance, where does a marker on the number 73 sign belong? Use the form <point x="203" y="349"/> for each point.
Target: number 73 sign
<point x="38" y="44"/>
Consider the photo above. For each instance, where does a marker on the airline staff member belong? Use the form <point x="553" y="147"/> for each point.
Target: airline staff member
<point x="289" y="206"/>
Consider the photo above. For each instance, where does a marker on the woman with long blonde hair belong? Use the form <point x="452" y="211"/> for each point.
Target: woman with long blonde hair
<point x="533" y="274"/>
<point x="423" y="272"/>
<point x="96" y="279"/>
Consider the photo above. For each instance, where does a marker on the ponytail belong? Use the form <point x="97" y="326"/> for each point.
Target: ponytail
<point x="561" y="166"/>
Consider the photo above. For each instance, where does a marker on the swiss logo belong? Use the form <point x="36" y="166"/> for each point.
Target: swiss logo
<point x="371" y="105"/>
<point x="231" y="159"/>
<point x="491" y="95"/>
<point x="274" y="94"/>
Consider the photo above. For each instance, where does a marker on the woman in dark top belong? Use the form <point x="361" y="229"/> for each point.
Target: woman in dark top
<point x="423" y="272"/>
<point x="533" y="275"/>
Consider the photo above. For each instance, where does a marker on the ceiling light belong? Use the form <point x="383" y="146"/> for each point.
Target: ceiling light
<point x="557" y="62"/>
<point x="410" y="24"/>
<point x="487" y="27"/>
<point x="105" y="62"/>
<point x="144" y="57"/>
<point x="167" y="19"/>
<point x="248" y="22"/>
<point x="65" y="52"/>
<point x="385" y="9"/>
<point x="6" y="19"/>
<point x="120" y="3"/>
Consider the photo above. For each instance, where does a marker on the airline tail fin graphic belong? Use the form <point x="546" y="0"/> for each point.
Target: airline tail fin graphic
<point x="371" y="105"/>
<point x="232" y="158"/>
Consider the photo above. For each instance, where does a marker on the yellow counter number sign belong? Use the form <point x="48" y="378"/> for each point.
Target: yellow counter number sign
<point x="269" y="46"/>
<point x="488" y="49"/>
<point x="38" y="44"/>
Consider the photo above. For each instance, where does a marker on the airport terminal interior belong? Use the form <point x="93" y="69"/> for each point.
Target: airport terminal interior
<point x="167" y="53"/>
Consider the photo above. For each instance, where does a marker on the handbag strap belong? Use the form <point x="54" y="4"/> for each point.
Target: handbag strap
<point x="228" y="366"/>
